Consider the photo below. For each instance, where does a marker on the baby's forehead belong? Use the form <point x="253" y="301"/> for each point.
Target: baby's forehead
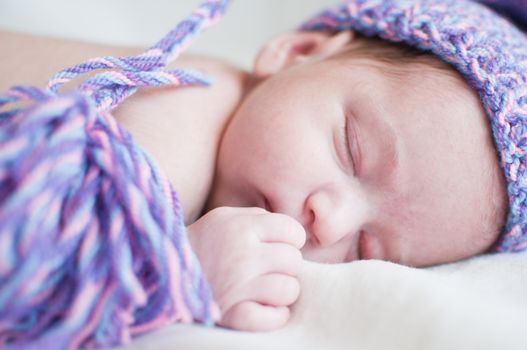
<point x="423" y="75"/>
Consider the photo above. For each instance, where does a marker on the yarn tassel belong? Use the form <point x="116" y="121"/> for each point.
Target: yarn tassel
<point x="93" y="250"/>
<point x="93" y="245"/>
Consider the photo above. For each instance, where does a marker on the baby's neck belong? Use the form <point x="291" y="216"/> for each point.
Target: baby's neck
<point x="182" y="127"/>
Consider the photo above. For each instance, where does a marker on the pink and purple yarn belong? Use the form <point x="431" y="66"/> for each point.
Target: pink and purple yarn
<point x="93" y="246"/>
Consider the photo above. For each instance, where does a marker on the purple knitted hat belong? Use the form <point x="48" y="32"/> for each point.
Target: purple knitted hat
<point x="485" y="43"/>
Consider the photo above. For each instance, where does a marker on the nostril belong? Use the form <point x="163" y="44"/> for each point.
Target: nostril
<point x="308" y="215"/>
<point x="310" y="229"/>
<point x="267" y="205"/>
<point x="311" y="217"/>
<point x="308" y="221"/>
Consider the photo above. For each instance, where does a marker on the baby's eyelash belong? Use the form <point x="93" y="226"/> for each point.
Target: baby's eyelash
<point x="347" y="143"/>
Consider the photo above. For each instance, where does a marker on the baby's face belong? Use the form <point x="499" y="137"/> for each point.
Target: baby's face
<point x="373" y="166"/>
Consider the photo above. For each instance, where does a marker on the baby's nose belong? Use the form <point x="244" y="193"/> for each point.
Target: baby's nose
<point x="326" y="222"/>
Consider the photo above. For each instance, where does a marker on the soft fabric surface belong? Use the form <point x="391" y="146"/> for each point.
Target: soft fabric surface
<point x="480" y="303"/>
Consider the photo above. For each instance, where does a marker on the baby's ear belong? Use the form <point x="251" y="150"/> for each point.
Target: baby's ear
<point x="294" y="47"/>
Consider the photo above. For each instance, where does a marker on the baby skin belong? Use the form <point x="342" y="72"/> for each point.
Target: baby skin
<point x="313" y="154"/>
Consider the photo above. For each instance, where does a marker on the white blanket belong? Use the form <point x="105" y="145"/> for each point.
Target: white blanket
<point x="480" y="303"/>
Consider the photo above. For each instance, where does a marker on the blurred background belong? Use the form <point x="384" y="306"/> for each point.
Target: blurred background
<point x="237" y="37"/>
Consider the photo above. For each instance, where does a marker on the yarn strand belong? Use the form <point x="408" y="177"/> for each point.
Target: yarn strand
<point x="154" y="59"/>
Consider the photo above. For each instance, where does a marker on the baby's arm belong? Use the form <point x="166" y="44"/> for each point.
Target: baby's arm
<point x="251" y="258"/>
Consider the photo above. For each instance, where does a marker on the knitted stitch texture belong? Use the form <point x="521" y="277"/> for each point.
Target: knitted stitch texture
<point x="486" y="48"/>
<point x="93" y="245"/>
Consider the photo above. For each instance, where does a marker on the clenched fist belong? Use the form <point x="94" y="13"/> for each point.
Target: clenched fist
<point x="251" y="258"/>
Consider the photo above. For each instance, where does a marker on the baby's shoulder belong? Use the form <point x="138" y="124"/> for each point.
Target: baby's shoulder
<point x="182" y="127"/>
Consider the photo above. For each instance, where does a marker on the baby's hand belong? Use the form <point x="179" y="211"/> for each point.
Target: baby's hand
<point x="251" y="258"/>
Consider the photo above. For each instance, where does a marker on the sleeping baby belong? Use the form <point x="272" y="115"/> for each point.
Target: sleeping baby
<point x="381" y="130"/>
